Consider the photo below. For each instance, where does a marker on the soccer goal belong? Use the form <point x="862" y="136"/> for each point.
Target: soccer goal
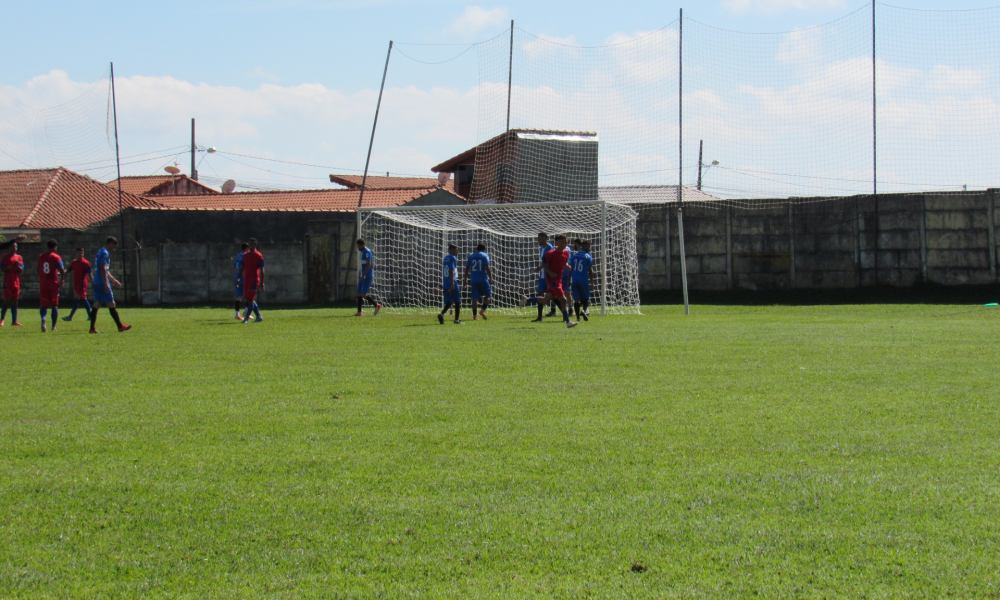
<point x="409" y="245"/>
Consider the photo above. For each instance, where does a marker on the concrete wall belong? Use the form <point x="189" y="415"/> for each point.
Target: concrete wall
<point x="944" y="238"/>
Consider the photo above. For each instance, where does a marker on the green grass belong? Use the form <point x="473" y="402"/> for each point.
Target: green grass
<point x="834" y="451"/>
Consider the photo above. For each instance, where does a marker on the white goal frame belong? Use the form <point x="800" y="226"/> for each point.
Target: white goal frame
<point x="601" y="233"/>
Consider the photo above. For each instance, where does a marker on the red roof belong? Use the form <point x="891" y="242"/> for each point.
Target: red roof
<point x="58" y="198"/>
<point x="300" y="200"/>
<point x="143" y="185"/>
<point x="378" y="182"/>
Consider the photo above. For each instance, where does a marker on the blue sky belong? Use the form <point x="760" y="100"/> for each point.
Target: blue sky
<point x="295" y="80"/>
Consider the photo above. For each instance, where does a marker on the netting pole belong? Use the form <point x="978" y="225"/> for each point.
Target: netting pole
<point x="371" y="142"/>
<point x="874" y="146"/>
<point x="118" y="164"/>
<point x="510" y="72"/>
<point x="680" y="159"/>
<point x="604" y="259"/>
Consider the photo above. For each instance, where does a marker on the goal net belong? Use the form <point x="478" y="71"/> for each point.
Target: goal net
<point x="409" y="245"/>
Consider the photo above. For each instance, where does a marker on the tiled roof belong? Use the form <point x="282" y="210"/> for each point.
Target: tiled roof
<point x="651" y="194"/>
<point x="378" y="182"/>
<point x="58" y="198"/>
<point x="469" y="156"/>
<point x="300" y="200"/>
<point x="141" y="185"/>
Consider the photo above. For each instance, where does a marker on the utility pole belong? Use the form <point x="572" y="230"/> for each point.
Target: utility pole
<point x="194" y="154"/>
<point x="701" y="146"/>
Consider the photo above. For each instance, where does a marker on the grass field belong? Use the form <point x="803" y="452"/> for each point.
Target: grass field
<point x="829" y="451"/>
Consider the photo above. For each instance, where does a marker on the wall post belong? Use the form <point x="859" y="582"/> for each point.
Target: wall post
<point x="729" y="248"/>
<point x="923" y="236"/>
<point x="992" y="239"/>
<point x="791" y="245"/>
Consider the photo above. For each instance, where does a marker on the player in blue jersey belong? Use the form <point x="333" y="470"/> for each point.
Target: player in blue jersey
<point x="478" y="276"/>
<point x="366" y="275"/>
<point x="583" y="271"/>
<point x="102" y="286"/>
<point x="238" y="270"/>
<point x="451" y="288"/>
<point x="542" y="286"/>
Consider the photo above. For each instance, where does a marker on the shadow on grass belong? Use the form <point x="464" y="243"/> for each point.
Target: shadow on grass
<point x="918" y="294"/>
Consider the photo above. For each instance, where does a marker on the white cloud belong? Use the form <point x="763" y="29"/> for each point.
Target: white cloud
<point x="778" y="6"/>
<point x="261" y="74"/>
<point x="475" y="19"/>
<point x="801" y="46"/>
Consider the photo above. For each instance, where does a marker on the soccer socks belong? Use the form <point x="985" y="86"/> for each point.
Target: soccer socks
<point x="361" y="303"/>
<point x="55" y="315"/>
<point x="458" y="310"/>
<point x="42" y="312"/>
<point x="13" y="314"/>
<point x="256" y="310"/>
<point x="446" y="307"/>
<point x="114" y="315"/>
<point x="541" y="309"/>
<point x="76" y="305"/>
<point x="565" y="314"/>
<point x="3" y="312"/>
<point x="236" y="306"/>
<point x="93" y="318"/>
<point x="576" y="309"/>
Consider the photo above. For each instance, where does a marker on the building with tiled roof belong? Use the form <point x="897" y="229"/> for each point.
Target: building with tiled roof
<point x="379" y="182"/>
<point x="161" y="185"/>
<point x="312" y="200"/>
<point x="58" y="198"/>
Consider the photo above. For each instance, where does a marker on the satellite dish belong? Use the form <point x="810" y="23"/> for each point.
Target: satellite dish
<point x="172" y="170"/>
<point x="228" y="187"/>
<point x="212" y="150"/>
<point x="443" y="178"/>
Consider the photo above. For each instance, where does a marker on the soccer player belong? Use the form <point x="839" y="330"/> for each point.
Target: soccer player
<point x="545" y="248"/>
<point x="366" y="275"/>
<point x="478" y="265"/>
<point x="102" y="286"/>
<point x="50" y="273"/>
<point x="252" y="273"/>
<point x="82" y="274"/>
<point x="12" y="265"/>
<point x="238" y="267"/>
<point x="555" y="262"/>
<point x="583" y="271"/>
<point x="451" y="288"/>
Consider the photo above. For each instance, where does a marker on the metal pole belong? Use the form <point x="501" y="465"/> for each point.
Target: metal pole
<point x="701" y="147"/>
<point x="194" y="166"/>
<point x="510" y="72"/>
<point x="680" y="160"/>
<point x="118" y="164"/>
<point x="371" y="142"/>
<point x="604" y="259"/>
<point x="875" y="146"/>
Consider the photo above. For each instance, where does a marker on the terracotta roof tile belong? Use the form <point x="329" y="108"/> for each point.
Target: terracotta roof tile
<point x="300" y="200"/>
<point x="378" y="182"/>
<point x="58" y="198"/>
<point x="141" y="185"/>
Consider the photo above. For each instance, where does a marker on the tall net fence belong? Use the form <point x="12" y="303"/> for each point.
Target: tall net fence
<point x="54" y="122"/>
<point x="883" y="99"/>
<point x="409" y="246"/>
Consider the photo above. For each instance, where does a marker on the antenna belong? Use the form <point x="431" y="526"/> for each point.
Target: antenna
<point x="172" y="170"/>
<point x="228" y="187"/>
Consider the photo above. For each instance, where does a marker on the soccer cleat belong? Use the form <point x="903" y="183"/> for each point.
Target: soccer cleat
<point x="43" y="326"/>
<point x="1" y="322"/>
<point x="522" y="301"/>
<point x="441" y="318"/>
<point x="259" y="320"/>
<point x="67" y="319"/>
<point x="94" y="331"/>
<point x="482" y="314"/>
<point x="378" y="307"/>
<point x="571" y="324"/>
<point x="584" y="315"/>
<point x="239" y="318"/>
<point x="246" y="320"/>
<point x="16" y="324"/>
<point x="586" y="311"/>
<point x="538" y="320"/>
<point x="458" y="322"/>
<point x="475" y="317"/>
<point x="358" y="314"/>
<point x="124" y="328"/>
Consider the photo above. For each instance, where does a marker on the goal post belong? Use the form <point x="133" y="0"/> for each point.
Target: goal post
<point x="409" y="244"/>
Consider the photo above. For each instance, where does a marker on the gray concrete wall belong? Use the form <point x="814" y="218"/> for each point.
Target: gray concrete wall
<point x="944" y="238"/>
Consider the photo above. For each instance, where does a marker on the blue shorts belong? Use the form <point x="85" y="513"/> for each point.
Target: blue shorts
<point x="480" y="289"/>
<point x="103" y="296"/>
<point x="581" y="290"/>
<point x="365" y="285"/>
<point x="239" y="288"/>
<point x="452" y="296"/>
<point x="542" y="286"/>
